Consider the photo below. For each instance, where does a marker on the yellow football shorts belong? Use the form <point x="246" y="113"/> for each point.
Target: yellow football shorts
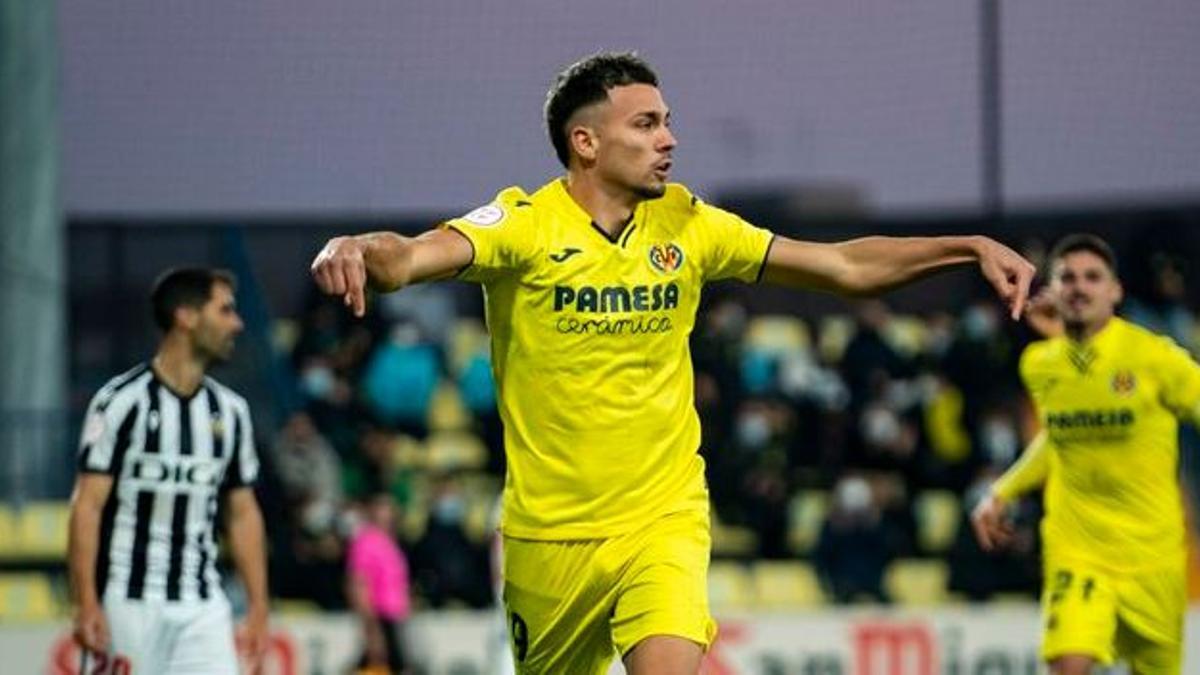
<point x="1135" y="617"/>
<point x="569" y="603"/>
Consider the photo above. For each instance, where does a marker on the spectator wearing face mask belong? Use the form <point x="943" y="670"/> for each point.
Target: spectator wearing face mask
<point x="852" y="551"/>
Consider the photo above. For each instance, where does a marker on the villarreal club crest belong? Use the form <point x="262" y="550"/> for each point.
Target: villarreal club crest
<point x="666" y="258"/>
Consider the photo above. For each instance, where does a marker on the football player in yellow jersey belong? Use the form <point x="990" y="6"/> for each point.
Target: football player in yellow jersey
<point x="1109" y="396"/>
<point x="592" y="284"/>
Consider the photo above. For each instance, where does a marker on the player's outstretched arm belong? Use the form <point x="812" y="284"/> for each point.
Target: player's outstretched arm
<point x="989" y="520"/>
<point x="249" y="557"/>
<point x="83" y="543"/>
<point x="387" y="261"/>
<point x="872" y="265"/>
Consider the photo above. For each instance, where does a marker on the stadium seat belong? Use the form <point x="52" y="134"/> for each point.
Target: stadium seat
<point x="482" y="491"/>
<point x="27" y="597"/>
<point x="786" y="585"/>
<point x="917" y="582"/>
<point x="409" y="453"/>
<point x="467" y="337"/>
<point x="446" y="409"/>
<point x="806" y="515"/>
<point x="9" y="548"/>
<point x="42" y="529"/>
<point x="906" y="334"/>
<point x="292" y="607"/>
<point x="937" y="513"/>
<point x="729" y="586"/>
<point x="450" y="450"/>
<point x="731" y="540"/>
<point x="777" y="335"/>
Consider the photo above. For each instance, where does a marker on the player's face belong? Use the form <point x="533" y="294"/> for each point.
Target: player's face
<point x="635" y="140"/>
<point x="1087" y="291"/>
<point x="219" y="324"/>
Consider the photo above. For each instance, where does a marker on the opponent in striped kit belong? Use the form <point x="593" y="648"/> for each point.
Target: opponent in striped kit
<point x="160" y="445"/>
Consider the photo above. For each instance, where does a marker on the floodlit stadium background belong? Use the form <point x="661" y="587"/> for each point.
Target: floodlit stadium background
<point x="140" y="135"/>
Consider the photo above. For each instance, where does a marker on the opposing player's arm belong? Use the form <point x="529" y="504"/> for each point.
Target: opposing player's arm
<point x="245" y="525"/>
<point x="83" y="536"/>
<point x="83" y="542"/>
<point x="387" y="261"/>
<point x="249" y="557"/>
<point x="872" y="265"/>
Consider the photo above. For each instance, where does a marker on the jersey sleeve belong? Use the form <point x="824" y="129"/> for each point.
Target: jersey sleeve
<point x="501" y="241"/>
<point x="106" y="428"/>
<point x="1027" y="473"/>
<point x="733" y="248"/>
<point x="242" y="470"/>
<point x="1179" y="376"/>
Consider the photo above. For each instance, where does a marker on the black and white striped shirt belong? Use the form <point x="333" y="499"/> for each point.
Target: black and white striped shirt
<point x="170" y="457"/>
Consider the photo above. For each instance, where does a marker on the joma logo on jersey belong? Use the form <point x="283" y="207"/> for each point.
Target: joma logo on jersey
<point x="157" y="470"/>
<point x="666" y="258"/>
<point x="617" y="298"/>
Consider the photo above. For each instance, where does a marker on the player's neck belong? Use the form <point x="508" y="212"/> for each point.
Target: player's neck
<point x="178" y="366"/>
<point x="1082" y="332"/>
<point x="609" y="207"/>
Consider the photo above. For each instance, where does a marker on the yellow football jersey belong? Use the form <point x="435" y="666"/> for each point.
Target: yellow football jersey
<point x="590" y="352"/>
<point x="1109" y="410"/>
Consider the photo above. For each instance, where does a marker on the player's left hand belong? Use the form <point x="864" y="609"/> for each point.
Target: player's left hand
<point x="1007" y="272"/>
<point x="993" y="530"/>
<point x="251" y="639"/>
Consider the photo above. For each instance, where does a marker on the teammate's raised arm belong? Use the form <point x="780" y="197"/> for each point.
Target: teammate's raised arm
<point x="387" y="261"/>
<point x="872" y="265"/>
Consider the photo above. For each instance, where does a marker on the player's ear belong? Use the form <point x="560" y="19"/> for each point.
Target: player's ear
<point x="1118" y="292"/>
<point x="583" y="141"/>
<point x="187" y="317"/>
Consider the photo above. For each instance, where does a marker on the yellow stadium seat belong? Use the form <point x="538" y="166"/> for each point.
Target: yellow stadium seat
<point x="834" y="334"/>
<point x="906" y="334"/>
<point x="42" y="529"/>
<point x="787" y="584"/>
<point x="27" y="597"/>
<point x="777" y="334"/>
<point x="293" y="607"/>
<point x="467" y="338"/>
<point x="409" y="453"/>
<point x="917" y="582"/>
<point x="806" y="516"/>
<point x="938" y="516"/>
<point x="729" y="586"/>
<point x="450" y="450"/>
<point x="9" y="547"/>
<point x="447" y="411"/>
<point x="731" y="540"/>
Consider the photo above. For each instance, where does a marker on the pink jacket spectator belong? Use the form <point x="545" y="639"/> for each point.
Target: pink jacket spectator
<point x="375" y="558"/>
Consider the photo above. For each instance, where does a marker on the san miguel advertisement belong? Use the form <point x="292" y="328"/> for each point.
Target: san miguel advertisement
<point x="987" y="640"/>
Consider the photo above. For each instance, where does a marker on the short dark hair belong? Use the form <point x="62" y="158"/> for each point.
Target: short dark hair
<point x="1089" y="243"/>
<point x="586" y="82"/>
<point x="184" y="287"/>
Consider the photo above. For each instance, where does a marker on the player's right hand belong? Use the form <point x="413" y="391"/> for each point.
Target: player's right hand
<point x="91" y="628"/>
<point x="339" y="269"/>
<point x="990" y="521"/>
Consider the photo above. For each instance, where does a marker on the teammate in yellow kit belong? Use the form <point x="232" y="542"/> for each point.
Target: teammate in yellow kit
<point x="592" y="284"/>
<point x="1109" y="395"/>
